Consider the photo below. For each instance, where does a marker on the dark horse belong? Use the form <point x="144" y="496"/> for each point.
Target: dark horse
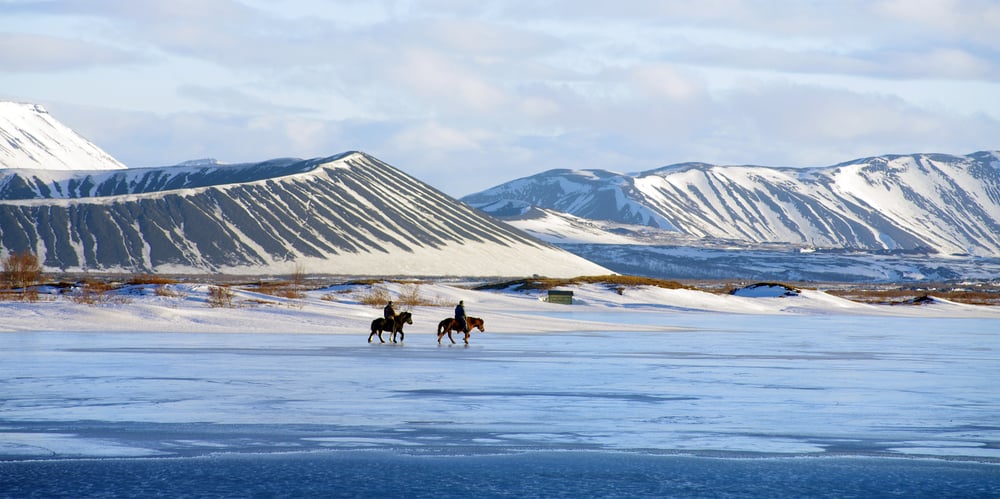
<point x="450" y="324"/>
<point x="394" y="326"/>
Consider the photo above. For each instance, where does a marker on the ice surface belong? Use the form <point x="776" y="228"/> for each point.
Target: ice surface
<point x="720" y="383"/>
<point x="646" y="374"/>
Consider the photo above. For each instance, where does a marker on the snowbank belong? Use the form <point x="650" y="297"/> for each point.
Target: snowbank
<point x="339" y="310"/>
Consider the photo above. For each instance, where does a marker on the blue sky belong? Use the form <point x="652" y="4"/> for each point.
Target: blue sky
<point x="466" y="95"/>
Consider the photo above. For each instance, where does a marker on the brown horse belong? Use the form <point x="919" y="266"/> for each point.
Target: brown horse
<point x="395" y="326"/>
<point x="450" y="324"/>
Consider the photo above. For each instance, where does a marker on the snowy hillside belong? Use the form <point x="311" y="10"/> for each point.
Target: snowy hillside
<point x="31" y="138"/>
<point x="648" y="251"/>
<point x="349" y="214"/>
<point x="925" y="203"/>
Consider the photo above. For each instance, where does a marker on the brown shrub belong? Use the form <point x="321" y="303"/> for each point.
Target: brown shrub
<point x="376" y="295"/>
<point x="410" y="296"/>
<point x="21" y="270"/>
<point x="167" y="291"/>
<point x="220" y="297"/>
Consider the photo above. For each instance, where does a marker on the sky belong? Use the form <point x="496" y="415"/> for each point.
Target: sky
<point x="467" y="95"/>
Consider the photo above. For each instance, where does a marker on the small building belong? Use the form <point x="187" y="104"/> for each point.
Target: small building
<point x="558" y="296"/>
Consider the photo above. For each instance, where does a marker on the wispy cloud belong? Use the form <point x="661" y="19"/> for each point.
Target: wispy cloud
<point x="30" y="53"/>
<point x="508" y="88"/>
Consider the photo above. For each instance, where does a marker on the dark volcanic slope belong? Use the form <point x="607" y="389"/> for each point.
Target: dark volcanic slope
<point x="347" y="214"/>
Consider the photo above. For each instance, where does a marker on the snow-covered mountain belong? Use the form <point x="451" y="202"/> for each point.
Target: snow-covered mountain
<point x="78" y="209"/>
<point x="921" y="203"/>
<point x="31" y="138"/>
<point x="349" y="214"/>
<point x="649" y="251"/>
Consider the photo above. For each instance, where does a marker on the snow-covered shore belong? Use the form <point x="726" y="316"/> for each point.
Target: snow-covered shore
<point x="338" y="310"/>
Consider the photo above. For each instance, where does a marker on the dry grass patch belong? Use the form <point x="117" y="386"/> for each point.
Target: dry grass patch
<point x="615" y="282"/>
<point x="282" y="289"/>
<point x="376" y="295"/>
<point x="410" y="296"/>
<point x="895" y="296"/>
<point x="92" y="292"/>
<point x="150" y="279"/>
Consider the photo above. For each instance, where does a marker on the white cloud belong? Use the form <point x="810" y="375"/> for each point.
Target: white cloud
<point x="445" y="83"/>
<point x="968" y="21"/>
<point x="511" y="87"/>
<point x="668" y="82"/>
<point x="28" y="52"/>
<point x="435" y="139"/>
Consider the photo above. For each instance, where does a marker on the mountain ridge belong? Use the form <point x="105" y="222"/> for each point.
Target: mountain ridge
<point x="348" y="214"/>
<point x="937" y="203"/>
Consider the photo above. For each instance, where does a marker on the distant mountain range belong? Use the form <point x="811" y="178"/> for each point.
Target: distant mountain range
<point x="348" y="214"/>
<point x="897" y="217"/>
<point x="927" y="203"/>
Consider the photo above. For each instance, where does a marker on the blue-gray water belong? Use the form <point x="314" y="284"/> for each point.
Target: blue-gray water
<point x="544" y="474"/>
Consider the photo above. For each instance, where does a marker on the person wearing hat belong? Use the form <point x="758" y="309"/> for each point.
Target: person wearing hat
<point x="388" y="312"/>
<point x="460" y="316"/>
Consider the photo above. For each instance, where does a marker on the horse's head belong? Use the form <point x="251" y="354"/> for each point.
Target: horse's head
<point x="476" y="322"/>
<point x="407" y="317"/>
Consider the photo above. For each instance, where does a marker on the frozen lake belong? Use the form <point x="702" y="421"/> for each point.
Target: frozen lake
<point x="727" y="405"/>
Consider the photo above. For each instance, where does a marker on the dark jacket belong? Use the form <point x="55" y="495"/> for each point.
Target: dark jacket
<point x="460" y="317"/>
<point x="388" y="312"/>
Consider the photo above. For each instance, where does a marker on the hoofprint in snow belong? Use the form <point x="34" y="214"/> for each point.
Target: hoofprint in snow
<point x="31" y="138"/>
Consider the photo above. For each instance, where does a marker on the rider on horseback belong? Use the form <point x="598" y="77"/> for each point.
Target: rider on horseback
<point x="389" y="313"/>
<point x="460" y="316"/>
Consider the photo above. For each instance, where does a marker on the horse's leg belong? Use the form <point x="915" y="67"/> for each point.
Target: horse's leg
<point x="466" y="337"/>
<point x="449" y="336"/>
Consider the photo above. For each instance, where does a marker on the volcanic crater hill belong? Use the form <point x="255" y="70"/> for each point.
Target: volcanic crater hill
<point x="349" y="214"/>
<point x="920" y="203"/>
